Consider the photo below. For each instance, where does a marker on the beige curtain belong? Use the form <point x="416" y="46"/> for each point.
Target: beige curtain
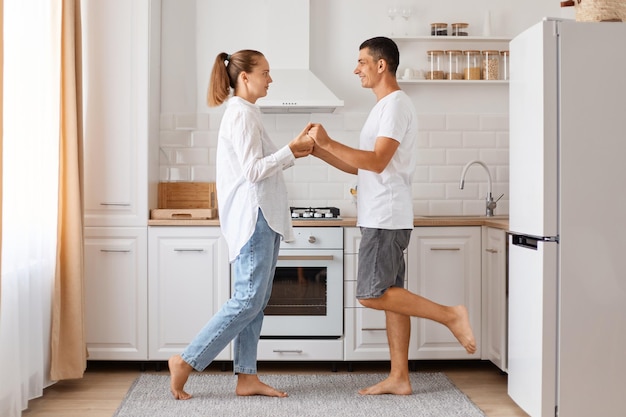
<point x="68" y="348"/>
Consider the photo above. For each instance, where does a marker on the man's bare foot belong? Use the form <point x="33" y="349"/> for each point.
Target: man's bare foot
<point x="249" y="384"/>
<point x="389" y="386"/>
<point x="462" y="330"/>
<point x="179" y="373"/>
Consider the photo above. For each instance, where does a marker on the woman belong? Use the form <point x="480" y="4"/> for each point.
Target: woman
<point x="254" y="216"/>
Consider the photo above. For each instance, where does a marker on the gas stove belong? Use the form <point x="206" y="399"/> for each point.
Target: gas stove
<point x="315" y="213"/>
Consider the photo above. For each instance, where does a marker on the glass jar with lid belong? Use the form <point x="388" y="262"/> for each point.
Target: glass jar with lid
<point x="504" y="62"/>
<point x="438" y="29"/>
<point x="472" y="65"/>
<point x="454" y="65"/>
<point x="435" y="61"/>
<point x="491" y="65"/>
<point x="459" y="29"/>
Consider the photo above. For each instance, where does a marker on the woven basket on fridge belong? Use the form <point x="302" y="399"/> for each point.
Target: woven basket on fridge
<point x="598" y="10"/>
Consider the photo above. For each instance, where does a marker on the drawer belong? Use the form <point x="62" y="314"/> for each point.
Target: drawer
<point x="300" y="350"/>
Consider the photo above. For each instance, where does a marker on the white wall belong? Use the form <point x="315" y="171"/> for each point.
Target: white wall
<point x="458" y="123"/>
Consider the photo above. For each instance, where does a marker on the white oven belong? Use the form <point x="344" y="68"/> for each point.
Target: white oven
<point x="307" y="294"/>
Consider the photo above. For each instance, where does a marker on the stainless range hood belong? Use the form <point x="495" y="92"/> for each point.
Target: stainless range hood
<point x="295" y="88"/>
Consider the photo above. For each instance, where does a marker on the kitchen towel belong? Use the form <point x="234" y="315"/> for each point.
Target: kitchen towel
<point x="434" y="395"/>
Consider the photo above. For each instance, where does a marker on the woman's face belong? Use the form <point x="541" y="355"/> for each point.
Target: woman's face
<point x="258" y="80"/>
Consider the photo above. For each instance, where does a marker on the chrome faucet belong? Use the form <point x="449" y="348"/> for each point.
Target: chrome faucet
<point x="490" y="204"/>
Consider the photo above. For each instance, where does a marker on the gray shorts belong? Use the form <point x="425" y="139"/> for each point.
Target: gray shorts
<point x="381" y="261"/>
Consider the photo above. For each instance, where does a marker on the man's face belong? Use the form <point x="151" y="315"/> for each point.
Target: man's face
<point x="368" y="69"/>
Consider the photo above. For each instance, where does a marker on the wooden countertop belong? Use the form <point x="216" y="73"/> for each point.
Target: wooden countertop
<point x="501" y="222"/>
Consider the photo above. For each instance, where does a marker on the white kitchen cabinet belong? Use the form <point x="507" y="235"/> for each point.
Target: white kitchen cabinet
<point x="120" y="63"/>
<point x="495" y="296"/>
<point x="189" y="280"/>
<point x="365" y="328"/>
<point x="118" y="69"/>
<point x="116" y="293"/>
<point x="445" y="267"/>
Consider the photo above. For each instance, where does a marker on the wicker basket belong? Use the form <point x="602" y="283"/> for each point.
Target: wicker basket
<point x="598" y="10"/>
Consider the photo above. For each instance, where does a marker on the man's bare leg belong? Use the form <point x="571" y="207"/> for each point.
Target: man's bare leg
<point x="249" y="384"/>
<point x="402" y="301"/>
<point x="398" y="336"/>
<point x="179" y="373"/>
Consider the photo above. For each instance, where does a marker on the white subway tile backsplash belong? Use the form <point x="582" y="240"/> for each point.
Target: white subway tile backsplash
<point x="431" y="122"/>
<point x="461" y="156"/>
<point x="494" y="122"/>
<point x="354" y="121"/>
<point x="309" y="173"/>
<point x="291" y="122"/>
<point x="175" y="138"/>
<point x="431" y="157"/>
<point x="446" y="139"/>
<point x="186" y="121"/>
<point x="446" y="142"/>
<point x="203" y="139"/>
<point x="202" y="173"/>
<point x="463" y="122"/>
<point x="192" y="156"/>
<point x="326" y="191"/>
<point x="483" y="140"/>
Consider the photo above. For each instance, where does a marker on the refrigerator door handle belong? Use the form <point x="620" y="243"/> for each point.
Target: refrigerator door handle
<point x="530" y="242"/>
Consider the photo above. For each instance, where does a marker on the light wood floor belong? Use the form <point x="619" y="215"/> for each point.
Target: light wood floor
<point x="105" y="384"/>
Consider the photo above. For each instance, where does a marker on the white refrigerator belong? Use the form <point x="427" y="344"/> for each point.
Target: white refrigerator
<point x="567" y="242"/>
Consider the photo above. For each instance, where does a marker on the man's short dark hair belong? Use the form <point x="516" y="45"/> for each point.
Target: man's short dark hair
<point x="383" y="48"/>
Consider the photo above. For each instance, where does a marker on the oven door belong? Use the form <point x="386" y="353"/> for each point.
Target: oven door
<point x="307" y="295"/>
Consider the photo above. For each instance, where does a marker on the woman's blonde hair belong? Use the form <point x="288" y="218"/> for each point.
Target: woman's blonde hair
<point x="226" y="70"/>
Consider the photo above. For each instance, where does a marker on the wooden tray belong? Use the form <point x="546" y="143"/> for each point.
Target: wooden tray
<point x="183" y="214"/>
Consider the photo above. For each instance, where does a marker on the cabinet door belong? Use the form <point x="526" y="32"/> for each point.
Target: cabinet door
<point x="365" y="328"/>
<point x="444" y="266"/>
<point x="189" y="280"/>
<point x="494" y="296"/>
<point x="116" y="325"/>
<point x="115" y="85"/>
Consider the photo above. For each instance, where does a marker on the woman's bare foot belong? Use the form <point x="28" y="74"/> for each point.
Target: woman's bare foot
<point x="249" y="384"/>
<point x="179" y="373"/>
<point x="389" y="386"/>
<point x="462" y="330"/>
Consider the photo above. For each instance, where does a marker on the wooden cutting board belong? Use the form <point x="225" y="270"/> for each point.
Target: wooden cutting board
<point x="187" y="195"/>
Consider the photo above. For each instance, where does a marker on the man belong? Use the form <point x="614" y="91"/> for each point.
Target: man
<point x="384" y="163"/>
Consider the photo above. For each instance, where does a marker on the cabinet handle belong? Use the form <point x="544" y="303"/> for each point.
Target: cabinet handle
<point x="370" y="329"/>
<point x="442" y="249"/>
<point x="116" y="204"/>
<point x="189" y="250"/>
<point x="491" y="250"/>
<point x="305" y="258"/>
<point x="287" y="351"/>
<point x="115" y="250"/>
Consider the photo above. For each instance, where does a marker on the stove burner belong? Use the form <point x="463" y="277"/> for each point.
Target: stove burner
<point x="315" y="213"/>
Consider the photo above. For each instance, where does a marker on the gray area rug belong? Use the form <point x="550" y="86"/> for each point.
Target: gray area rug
<point x="434" y="395"/>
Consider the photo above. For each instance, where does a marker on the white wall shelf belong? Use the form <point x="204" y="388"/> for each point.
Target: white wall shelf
<point x="452" y="38"/>
<point x="453" y="82"/>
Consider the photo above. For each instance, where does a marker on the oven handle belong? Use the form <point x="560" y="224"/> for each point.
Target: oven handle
<point x="305" y="257"/>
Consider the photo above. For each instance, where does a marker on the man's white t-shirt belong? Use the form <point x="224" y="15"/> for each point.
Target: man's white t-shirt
<point x="250" y="176"/>
<point x="384" y="200"/>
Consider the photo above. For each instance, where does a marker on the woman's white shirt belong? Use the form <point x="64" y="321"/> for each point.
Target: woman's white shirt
<point x="250" y="176"/>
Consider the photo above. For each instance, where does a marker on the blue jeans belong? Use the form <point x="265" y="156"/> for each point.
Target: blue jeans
<point x="241" y="317"/>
